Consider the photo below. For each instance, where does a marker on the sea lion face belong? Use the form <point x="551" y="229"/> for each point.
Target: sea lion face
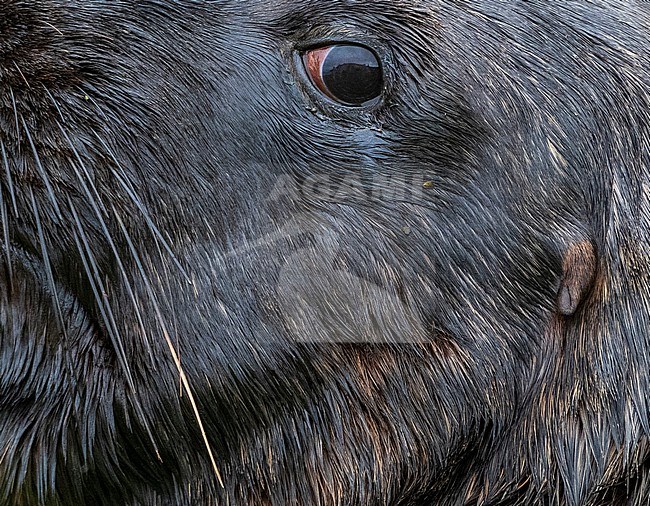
<point x="231" y="275"/>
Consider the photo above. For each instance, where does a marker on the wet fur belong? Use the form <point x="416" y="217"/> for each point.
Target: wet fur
<point x="183" y="323"/>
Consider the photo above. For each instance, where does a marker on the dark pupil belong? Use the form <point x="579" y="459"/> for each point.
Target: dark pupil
<point x="352" y="74"/>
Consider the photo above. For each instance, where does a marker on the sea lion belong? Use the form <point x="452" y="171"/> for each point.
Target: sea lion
<point x="324" y="252"/>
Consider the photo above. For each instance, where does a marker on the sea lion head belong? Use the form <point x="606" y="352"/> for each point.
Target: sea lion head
<point x="321" y="252"/>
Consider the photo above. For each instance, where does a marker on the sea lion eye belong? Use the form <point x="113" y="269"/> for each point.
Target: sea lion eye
<point x="349" y="74"/>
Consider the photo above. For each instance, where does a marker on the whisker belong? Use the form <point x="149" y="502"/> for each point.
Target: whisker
<point x="108" y="317"/>
<point x="121" y="178"/>
<point x="10" y="180"/>
<point x="93" y="199"/>
<point x="91" y="193"/>
<point x="54" y="292"/>
<point x="47" y="263"/>
<point x="163" y="277"/>
<point x="46" y="23"/>
<point x="53" y="288"/>
<point x="5" y="233"/>
<point x="22" y="75"/>
<point x="95" y="289"/>
<point x="55" y="103"/>
<point x="42" y="172"/>
<point x="172" y="348"/>
<point x="15" y="108"/>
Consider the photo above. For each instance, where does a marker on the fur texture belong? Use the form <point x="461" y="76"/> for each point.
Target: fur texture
<point x="220" y="287"/>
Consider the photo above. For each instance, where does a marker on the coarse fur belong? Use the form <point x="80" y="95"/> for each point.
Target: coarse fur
<point x="220" y="287"/>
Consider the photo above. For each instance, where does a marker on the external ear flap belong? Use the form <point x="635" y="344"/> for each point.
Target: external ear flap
<point x="579" y="271"/>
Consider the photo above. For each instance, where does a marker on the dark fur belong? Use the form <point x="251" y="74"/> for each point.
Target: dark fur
<point x="478" y="337"/>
